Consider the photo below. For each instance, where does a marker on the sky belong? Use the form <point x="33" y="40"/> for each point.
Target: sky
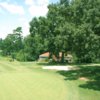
<point x="15" y="13"/>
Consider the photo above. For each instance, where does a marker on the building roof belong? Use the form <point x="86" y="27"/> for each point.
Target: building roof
<point x="46" y="54"/>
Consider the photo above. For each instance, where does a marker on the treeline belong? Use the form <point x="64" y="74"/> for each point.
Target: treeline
<point x="70" y="25"/>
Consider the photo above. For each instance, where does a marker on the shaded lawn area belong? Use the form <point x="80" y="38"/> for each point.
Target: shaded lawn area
<point x="83" y="83"/>
<point x="89" y="74"/>
<point x="51" y="63"/>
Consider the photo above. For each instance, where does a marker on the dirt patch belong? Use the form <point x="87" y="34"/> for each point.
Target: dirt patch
<point x="83" y="79"/>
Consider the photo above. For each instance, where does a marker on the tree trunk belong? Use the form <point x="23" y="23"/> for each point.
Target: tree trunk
<point x="62" y="57"/>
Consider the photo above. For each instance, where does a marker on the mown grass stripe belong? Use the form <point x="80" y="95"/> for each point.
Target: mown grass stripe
<point x="7" y="66"/>
<point x="28" y="86"/>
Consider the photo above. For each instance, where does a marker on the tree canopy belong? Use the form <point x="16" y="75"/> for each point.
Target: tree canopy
<point x="70" y="25"/>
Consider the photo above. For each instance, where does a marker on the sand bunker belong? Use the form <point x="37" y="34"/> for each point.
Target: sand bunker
<point x="66" y="68"/>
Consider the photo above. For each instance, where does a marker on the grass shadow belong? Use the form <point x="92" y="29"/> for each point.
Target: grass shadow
<point x="50" y="63"/>
<point x="95" y="85"/>
<point x="92" y="73"/>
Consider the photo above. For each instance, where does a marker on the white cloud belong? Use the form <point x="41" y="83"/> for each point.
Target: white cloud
<point x="25" y="28"/>
<point x="22" y="19"/>
<point x="38" y="10"/>
<point x="1" y="11"/>
<point x="37" y="7"/>
<point x="43" y="2"/>
<point x="29" y="2"/>
<point x="25" y="25"/>
<point x="14" y="9"/>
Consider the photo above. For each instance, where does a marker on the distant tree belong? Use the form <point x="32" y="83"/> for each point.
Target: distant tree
<point x="12" y="43"/>
<point x="87" y="38"/>
<point x="18" y="30"/>
<point x="39" y="32"/>
<point x="61" y="27"/>
<point x="54" y="33"/>
<point x="70" y="25"/>
<point x="64" y="2"/>
<point x="1" y="40"/>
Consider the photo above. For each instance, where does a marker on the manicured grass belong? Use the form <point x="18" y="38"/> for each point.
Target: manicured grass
<point x="27" y="81"/>
<point x="78" y="93"/>
<point x="31" y="86"/>
<point x="23" y="81"/>
<point x="83" y="83"/>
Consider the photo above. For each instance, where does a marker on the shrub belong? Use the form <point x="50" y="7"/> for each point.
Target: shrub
<point x="20" y="56"/>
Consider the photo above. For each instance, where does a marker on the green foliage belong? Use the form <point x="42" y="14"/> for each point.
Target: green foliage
<point x="12" y="43"/>
<point x="87" y="37"/>
<point x="86" y="46"/>
<point x="70" y="25"/>
<point x="1" y="43"/>
<point x="20" y="56"/>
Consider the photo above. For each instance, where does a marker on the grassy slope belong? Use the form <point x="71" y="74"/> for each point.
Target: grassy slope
<point x="26" y="81"/>
<point x="22" y="81"/>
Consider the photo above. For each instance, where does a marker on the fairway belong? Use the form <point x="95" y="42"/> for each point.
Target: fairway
<point x="50" y="50"/>
<point x="28" y="81"/>
<point x="19" y="82"/>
